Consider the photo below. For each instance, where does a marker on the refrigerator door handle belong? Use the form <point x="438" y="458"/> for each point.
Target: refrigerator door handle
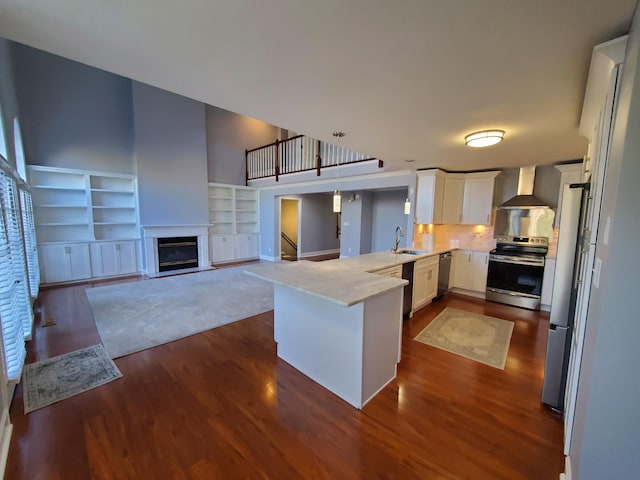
<point x="578" y="279"/>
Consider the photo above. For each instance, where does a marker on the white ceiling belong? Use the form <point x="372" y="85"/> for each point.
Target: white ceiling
<point x="405" y="79"/>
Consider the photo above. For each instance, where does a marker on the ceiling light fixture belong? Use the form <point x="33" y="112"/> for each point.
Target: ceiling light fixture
<point x="337" y="196"/>
<point x="484" y="138"/>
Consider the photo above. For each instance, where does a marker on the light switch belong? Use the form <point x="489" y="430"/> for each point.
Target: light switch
<point x="597" y="267"/>
<point x="607" y="228"/>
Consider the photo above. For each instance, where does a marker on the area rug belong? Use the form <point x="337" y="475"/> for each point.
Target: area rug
<point x="470" y="335"/>
<point x="64" y="376"/>
<point x="135" y="316"/>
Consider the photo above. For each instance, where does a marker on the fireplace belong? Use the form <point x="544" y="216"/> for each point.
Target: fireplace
<point x="155" y="235"/>
<point x="177" y="253"/>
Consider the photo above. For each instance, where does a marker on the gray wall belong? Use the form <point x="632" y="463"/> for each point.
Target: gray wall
<point x="171" y="157"/>
<point x="388" y="213"/>
<point x="8" y="99"/>
<point x="228" y="136"/>
<point x="318" y="224"/>
<point x="270" y="209"/>
<point x="607" y="426"/>
<point x="73" y="115"/>
<point x="357" y="218"/>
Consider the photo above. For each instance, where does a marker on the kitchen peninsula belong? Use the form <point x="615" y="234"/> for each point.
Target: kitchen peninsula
<point x="339" y="325"/>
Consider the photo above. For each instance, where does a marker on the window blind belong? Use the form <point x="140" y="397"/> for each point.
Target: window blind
<point x="30" y="244"/>
<point x="14" y="304"/>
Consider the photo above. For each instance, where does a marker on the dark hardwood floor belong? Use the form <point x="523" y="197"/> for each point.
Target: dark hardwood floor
<point x="221" y="405"/>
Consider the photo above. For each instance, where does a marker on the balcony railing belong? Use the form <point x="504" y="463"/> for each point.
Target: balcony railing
<point x="298" y="154"/>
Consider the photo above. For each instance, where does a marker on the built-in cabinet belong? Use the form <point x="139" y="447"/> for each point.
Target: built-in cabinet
<point x="233" y="215"/>
<point x="470" y="270"/>
<point x="454" y="198"/>
<point x="86" y="223"/>
<point x="425" y="281"/>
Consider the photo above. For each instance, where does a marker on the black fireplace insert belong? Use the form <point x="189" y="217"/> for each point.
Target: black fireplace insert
<point x="177" y="253"/>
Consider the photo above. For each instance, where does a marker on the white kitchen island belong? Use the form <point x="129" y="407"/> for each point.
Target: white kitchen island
<point x="339" y="326"/>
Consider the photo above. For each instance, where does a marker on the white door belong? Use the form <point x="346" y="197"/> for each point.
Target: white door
<point x="63" y="263"/>
<point x="221" y="248"/>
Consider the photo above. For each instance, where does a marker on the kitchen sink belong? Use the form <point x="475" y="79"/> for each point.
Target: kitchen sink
<point x="409" y="252"/>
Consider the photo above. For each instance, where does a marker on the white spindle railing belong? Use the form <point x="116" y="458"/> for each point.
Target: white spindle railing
<point x="297" y="154"/>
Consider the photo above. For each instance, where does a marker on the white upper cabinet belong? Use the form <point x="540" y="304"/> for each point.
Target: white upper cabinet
<point x="430" y="196"/>
<point x="478" y="198"/>
<point x="453" y="198"/>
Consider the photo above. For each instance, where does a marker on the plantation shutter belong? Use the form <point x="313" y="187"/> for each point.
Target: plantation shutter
<point x="15" y="311"/>
<point x="30" y="245"/>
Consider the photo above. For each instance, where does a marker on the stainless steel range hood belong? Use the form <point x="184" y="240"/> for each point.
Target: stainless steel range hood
<point x="525" y="214"/>
<point x="525" y="197"/>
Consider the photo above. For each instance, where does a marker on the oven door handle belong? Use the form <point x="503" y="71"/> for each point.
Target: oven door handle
<point x="516" y="260"/>
<point x="511" y="293"/>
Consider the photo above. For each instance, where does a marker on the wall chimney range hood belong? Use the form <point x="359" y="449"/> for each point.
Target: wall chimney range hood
<point x="525" y="197"/>
<point x="524" y="215"/>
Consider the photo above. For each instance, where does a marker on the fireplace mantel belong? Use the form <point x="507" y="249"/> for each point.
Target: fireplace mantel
<point x="151" y="233"/>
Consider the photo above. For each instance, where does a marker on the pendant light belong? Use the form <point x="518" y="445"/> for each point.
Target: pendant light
<point x="337" y="196"/>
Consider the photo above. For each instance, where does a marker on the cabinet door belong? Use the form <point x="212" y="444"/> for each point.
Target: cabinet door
<point x="246" y="246"/>
<point x="462" y="269"/>
<point x="479" y="268"/>
<point x="429" y="197"/>
<point x="452" y="199"/>
<point x="432" y="279"/>
<point x="63" y="263"/>
<point x="128" y="257"/>
<point x="221" y="248"/>
<point x="420" y="285"/>
<point x="113" y="258"/>
<point x="478" y="201"/>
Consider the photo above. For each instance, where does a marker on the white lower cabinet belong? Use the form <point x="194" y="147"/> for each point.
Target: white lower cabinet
<point x="425" y="281"/>
<point x="227" y="248"/>
<point x="64" y="263"/>
<point x="113" y="258"/>
<point x="221" y="248"/>
<point x="470" y="270"/>
<point x="246" y="246"/>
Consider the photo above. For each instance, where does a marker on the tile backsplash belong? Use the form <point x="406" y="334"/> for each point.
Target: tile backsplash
<point x="472" y="237"/>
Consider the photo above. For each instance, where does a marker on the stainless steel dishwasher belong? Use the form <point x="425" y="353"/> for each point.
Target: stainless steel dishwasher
<point x="444" y="271"/>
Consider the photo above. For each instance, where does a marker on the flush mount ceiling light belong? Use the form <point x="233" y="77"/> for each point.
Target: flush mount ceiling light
<point x="484" y="138"/>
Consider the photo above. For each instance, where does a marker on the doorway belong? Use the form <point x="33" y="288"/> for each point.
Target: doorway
<point x="289" y="228"/>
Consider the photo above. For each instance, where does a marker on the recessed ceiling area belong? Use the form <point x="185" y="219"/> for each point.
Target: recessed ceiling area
<point x="404" y="80"/>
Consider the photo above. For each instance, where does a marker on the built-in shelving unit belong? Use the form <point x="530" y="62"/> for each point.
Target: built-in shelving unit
<point x="233" y="215"/>
<point x="74" y="211"/>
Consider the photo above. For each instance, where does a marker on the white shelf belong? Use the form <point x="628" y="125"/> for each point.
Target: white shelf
<point x="233" y="209"/>
<point x="77" y="205"/>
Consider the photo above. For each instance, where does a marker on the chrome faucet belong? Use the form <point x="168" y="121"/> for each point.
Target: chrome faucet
<point x="399" y="235"/>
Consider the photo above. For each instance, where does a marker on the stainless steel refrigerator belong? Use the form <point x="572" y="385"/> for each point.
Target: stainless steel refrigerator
<point x="573" y="248"/>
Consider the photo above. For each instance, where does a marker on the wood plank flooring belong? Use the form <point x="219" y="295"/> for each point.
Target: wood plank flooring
<point x="221" y="405"/>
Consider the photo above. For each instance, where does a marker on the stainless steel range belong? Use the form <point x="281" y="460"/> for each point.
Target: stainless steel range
<point x="516" y="269"/>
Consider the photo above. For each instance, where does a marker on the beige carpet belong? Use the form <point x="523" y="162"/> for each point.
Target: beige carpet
<point x="470" y="335"/>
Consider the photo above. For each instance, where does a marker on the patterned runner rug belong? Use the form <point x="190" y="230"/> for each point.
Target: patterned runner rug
<point x="64" y="376"/>
<point x="471" y="335"/>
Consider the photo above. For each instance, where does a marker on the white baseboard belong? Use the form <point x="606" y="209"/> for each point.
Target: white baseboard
<point x="268" y="258"/>
<point x="5" y="440"/>
<point x="545" y="308"/>
<point x="469" y="293"/>
<point x="319" y="252"/>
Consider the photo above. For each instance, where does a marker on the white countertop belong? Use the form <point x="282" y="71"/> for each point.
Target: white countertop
<point x="345" y="281"/>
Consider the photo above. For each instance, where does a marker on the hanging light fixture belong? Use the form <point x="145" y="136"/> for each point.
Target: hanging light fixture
<point x="484" y="138"/>
<point x="337" y="196"/>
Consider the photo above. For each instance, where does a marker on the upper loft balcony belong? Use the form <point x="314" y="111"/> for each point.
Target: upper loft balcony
<point x="303" y="159"/>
